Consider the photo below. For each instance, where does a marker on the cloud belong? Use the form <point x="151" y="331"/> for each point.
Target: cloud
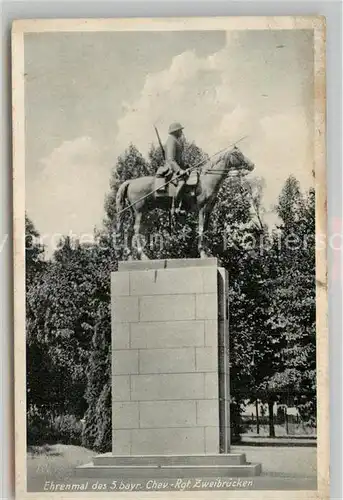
<point x="283" y="146"/>
<point x="246" y="88"/>
<point x="68" y="196"/>
<point x="154" y="105"/>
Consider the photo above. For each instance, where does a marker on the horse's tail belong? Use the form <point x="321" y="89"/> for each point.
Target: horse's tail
<point x="120" y="201"/>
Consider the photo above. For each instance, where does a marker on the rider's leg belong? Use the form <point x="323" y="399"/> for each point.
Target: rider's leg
<point x="179" y="196"/>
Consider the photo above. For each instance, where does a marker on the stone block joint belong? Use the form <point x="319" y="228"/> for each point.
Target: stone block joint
<point x="168" y="347"/>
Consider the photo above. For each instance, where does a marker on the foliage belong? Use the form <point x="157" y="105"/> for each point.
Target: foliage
<point x="293" y="306"/>
<point x="97" y="433"/>
<point x="130" y="165"/>
<point x="34" y="252"/>
<point x="37" y="364"/>
<point x="271" y="297"/>
<point x="45" y="428"/>
<point x="63" y="310"/>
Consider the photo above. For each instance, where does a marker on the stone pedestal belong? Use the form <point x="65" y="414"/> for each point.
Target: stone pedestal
<point x="170" y="373"/>
<point x="169" y="364"/>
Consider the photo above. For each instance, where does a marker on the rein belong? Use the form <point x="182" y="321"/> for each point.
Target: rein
<point x="213" y="170"/>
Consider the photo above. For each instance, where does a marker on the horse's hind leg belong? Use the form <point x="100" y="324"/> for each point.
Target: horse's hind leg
<point x="125" y="233"/>
<point x="139" y="238"/>
<point x="171" y="215"/>
<point x="128" y="243"/>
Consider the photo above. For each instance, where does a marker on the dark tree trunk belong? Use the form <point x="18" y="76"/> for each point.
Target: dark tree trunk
<point x="271" y="419"/>
<point x="257" y="419"/>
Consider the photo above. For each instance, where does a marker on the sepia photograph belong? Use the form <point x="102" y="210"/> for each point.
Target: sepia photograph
<point x="170" y="258"/>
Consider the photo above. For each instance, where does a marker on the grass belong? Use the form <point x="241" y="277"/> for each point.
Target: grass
<point x="56" y="462"/>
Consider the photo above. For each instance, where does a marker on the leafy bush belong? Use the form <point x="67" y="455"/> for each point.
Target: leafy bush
<point x="38" y="426"/>
<point x="235" y="423"/>
<point x="67" y="429"/>
<point x="44" y="428"/>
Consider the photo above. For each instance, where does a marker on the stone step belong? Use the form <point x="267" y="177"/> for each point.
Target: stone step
<point x="157" y="460"/>
<point x="134" y="472"/>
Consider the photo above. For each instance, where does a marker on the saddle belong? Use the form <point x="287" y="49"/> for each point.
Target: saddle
<point x="164" y="188"/>
<point x="193" y="178"/>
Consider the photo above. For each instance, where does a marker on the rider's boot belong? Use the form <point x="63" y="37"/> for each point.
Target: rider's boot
<point x="178" y="201"/>
<point x="179" y="210"/>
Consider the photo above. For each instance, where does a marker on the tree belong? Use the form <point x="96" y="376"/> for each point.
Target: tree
<point x="34" y="252"/>
<point x="130" y="165"/>
<point x="37" y="364"/>
<point x="98" y="417"/>
<point x="271" y="295"/>
<point x="245" y="255"/>
<point x="292" y="311"/>
<point x="63" y="312"/>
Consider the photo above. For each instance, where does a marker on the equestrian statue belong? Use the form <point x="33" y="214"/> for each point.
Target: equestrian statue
<point x="177" y="188"/>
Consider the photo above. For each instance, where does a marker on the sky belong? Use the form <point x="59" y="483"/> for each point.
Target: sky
<point x="88" y="95"/>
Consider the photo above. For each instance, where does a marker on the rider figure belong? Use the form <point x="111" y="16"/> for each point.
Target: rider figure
<point x="173" y="156"/>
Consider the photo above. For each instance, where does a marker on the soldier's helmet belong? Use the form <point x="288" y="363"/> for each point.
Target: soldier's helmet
<point x="175" y="127"/>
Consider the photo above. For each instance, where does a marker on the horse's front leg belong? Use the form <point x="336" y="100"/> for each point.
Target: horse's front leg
<point x="201" y="234"/>
<point x="204" y="218"/>
<point x="139" y="239"/>
<point x="170" y="221"/>
<point x="207" y="212"/>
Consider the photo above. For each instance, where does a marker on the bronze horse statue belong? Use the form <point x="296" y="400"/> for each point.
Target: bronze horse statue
<point x="140" y="194"/>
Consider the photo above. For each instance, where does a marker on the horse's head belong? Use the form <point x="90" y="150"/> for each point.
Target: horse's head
<point x="238" y="163"/>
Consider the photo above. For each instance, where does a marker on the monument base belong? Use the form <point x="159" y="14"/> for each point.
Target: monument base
<point x="170" y="367"/>
<point x="168" y="466"/>
<point x="170" y="375"/>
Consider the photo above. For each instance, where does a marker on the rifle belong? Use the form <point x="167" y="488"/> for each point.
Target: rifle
<point x="189" y="169"/>
<point x="160" y="143"/>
